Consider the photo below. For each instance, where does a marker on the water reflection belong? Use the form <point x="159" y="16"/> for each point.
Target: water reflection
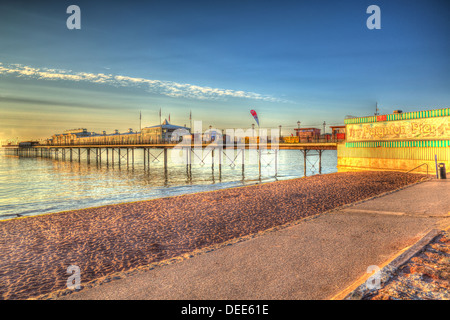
<point x="41" y="185"/>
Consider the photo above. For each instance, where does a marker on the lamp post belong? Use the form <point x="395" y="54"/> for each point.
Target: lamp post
<point x="279" y="133"/>
<point x="210" y="134"/>
<point x="253" y="130"/>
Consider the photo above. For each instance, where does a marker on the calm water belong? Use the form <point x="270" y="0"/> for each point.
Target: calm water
<point x="30" y="186"/>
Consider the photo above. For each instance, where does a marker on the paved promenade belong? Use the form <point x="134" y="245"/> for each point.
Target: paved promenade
<point x="314" y="259"/>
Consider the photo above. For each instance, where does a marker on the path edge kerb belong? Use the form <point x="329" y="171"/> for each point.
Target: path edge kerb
<point x="389" y="269"/>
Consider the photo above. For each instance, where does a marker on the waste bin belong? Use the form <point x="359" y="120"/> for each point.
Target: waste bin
<point x="441" y="171"/>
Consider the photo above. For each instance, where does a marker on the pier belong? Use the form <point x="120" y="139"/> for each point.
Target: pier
<point x="124" y="154"/>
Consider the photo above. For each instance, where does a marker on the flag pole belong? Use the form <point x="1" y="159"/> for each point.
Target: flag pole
<point x="160" y="123"/>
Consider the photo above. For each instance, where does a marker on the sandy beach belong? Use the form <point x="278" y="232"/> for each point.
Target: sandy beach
<point x="36" y="251"/>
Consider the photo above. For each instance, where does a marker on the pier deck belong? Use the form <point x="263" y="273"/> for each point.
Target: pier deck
<point x="281" y="146"/>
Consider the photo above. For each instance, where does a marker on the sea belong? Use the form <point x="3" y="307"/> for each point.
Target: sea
<point x="34" y="185"/>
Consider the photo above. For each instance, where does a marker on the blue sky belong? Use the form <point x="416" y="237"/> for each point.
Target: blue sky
<point x="308" y="61"/>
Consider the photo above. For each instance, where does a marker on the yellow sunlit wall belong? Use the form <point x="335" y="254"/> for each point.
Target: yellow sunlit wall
<point x="397" y="142"/>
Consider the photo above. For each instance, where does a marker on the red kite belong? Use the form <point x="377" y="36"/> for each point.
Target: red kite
<point x="253" y="112"/>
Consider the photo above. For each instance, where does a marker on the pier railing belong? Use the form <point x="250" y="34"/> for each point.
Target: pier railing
<point x="328" y="144"/>
<point x="148" y="141"/>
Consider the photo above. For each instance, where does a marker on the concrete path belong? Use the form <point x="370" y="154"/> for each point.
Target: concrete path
<point x="314" y="259"/>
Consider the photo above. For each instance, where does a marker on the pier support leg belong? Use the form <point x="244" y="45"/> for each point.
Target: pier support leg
<point x="165" y="166"/>
<point x="165" y="160"/>
<point x="187" y="162"/>
<point x="145" y="160"/>
<point x="304" y="162"/>
<point x="220" y="163"/>
<point x="212" y="161"/>
<point x="243" y="161"/>
<point x="320" y="161"/>
<point x="276" y="163"/>
<point x="88" y="155"/>
<point x="259" y="162"/>
<point x="190" y="163"/>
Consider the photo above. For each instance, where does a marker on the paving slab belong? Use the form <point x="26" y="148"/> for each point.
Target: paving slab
<point x="427" y="199"/>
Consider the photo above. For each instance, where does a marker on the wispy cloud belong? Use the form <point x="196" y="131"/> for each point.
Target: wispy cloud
<point x="167" y="88"/>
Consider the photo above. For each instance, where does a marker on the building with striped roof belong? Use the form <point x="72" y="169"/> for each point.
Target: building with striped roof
<point x="398" y="141"/>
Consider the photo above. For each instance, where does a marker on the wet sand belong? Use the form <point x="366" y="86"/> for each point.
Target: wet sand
<point x="36" y="251"/>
